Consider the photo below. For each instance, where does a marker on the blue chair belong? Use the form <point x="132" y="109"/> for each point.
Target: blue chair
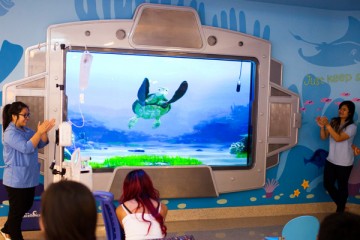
<point x="112" y="225"/>
<point x="300" y="228"/>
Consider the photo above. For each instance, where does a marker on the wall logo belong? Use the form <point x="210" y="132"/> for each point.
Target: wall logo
<point x="33" y="214"/>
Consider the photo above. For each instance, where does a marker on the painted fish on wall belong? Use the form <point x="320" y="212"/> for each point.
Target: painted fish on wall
<point x="344" y="51"/>
<point x="5" y="5"/>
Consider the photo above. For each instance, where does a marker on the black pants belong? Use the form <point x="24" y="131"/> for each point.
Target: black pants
<point x="336" y="180"/>
<point x="20" y="202"/>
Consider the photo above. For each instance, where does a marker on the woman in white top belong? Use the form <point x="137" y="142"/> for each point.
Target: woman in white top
<point x="140" y="213"/>
<point x="340" y="160"/>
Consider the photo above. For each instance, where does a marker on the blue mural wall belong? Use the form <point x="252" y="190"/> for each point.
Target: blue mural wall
<point x="320" y="51"/>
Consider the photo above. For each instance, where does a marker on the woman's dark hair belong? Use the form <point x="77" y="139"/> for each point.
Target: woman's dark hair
<point x="335" y="122"/>
<point x="138" y="185"/>
<point x="68" y="211"/>
<point x="11" y="109"/>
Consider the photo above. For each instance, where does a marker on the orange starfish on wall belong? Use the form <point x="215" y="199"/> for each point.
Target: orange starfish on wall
<point x="305" y="184"/>
<point x="296" y="193"/>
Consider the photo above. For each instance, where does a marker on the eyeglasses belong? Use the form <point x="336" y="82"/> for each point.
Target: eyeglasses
<point x="27" y="115"/>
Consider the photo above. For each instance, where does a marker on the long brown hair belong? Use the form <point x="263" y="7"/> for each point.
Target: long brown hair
<point x="335" y="122"/>
<point x="68" y="211"/>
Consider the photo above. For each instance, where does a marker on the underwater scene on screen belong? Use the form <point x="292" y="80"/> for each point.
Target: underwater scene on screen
<point x="152" y="110"/>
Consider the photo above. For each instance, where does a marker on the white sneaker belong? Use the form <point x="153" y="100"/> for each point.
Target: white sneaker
<point x="4" y="235"/>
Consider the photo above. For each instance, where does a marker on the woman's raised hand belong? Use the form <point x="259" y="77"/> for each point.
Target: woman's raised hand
<point x="46" y="126"/>
<point x="356" y="151"/>
<point x="322" y="121"/>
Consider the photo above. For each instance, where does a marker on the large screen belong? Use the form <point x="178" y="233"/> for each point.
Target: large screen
<point x="159" y="109"/>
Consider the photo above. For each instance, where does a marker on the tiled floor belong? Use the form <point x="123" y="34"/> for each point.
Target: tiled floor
<point x="247" y="228"/>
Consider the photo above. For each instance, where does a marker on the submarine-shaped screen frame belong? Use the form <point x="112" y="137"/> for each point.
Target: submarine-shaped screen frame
<point x="150" y="30"/>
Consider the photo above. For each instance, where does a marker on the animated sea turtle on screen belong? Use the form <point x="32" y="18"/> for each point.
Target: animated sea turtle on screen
<point x="154" y="105"/>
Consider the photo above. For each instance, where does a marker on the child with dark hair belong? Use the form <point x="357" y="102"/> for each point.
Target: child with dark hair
<point x="68" y="211"/>
<point x="341" y="131"/>
<point x="343" y="225"/>
<point x="22" y="168"/>
<point x="141" y="214"/>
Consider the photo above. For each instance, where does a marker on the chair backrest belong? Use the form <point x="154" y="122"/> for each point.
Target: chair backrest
<point x="301" y="228"/>
<point x="112" y="225"/>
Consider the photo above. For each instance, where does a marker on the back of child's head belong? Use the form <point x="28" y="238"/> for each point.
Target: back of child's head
<point x="342" y="225"/>
<point x="68" y="211"/>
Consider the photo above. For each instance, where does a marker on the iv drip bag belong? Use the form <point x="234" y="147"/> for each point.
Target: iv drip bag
<point x="85" y="66"/>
